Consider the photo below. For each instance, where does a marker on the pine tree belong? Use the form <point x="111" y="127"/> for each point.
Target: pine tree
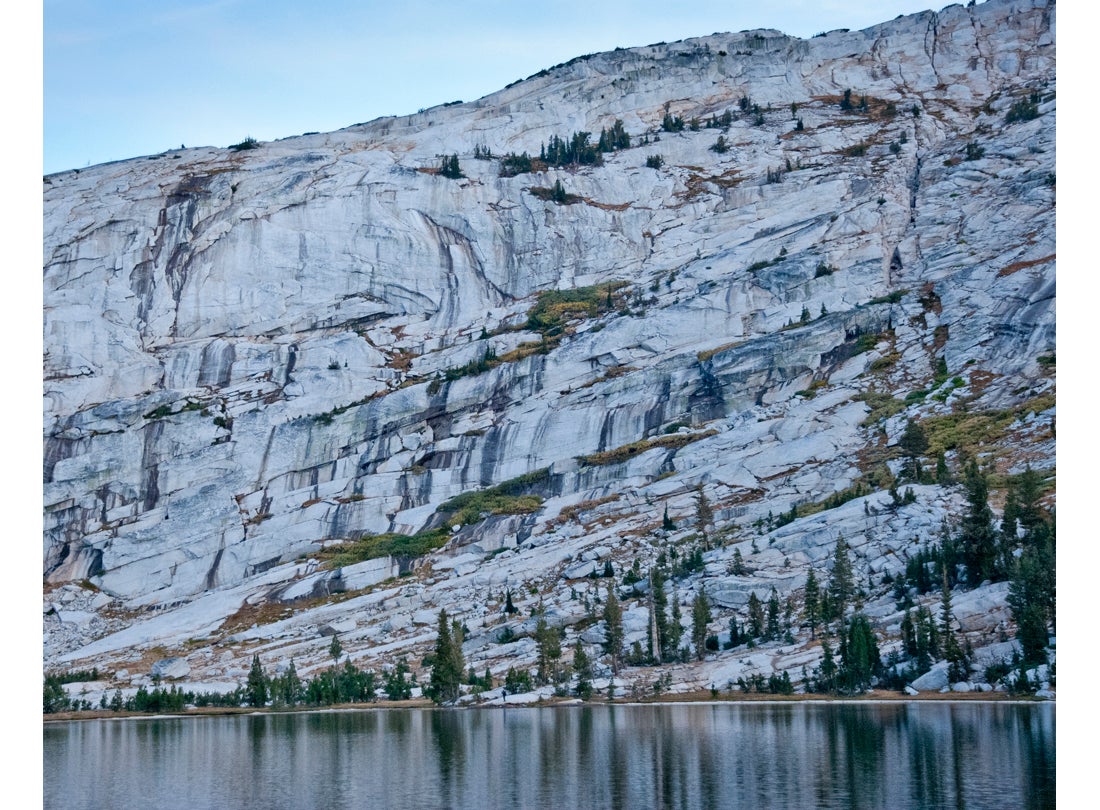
<point x="448" y="664"/>
<point x="613" y="621"/>
<point x="335" y="648"/>
<point x="977" y="537"/>
<point x="756" y="616"/>
<point x="773" y="629"/>
<point x="959" y="666"/>
<point x="291" y="686"/>
<point x="675" y="629"/>
<point x="827" y="670"/>
<point x="450" y="168"/>
<point x="913" y="443"/>
<point x="700" y="618"/>
<point x="658" y="619"/>
<point x="735" y="632"/>
<point x="859" y="655"/>
<point x="548" y="644"/>
<point x="256" y="688"/>
<point x="1032" y="594"/>
<point x="841" y="582"/>
<point x="908" y="635"/>
<point x="704" y="514"/>
<point x="508" y="606"/>
<point x="811" y="605"/>
<point x="582" y="665"/>
<point x="666" y="522"/>
<point x="394" y="683"/>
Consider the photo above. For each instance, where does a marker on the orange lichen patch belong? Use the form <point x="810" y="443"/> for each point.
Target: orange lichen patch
<point x="1017" y="266"/>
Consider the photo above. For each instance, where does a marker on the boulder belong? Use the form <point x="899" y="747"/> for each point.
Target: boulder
<point x="932" y="681"/>
<point x="170" y="668"/>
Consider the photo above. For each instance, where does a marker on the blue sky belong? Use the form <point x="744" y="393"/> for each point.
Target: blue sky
<point x="123" y="78"/>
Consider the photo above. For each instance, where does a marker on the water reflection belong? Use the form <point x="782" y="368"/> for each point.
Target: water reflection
<point x="900" y="756"/>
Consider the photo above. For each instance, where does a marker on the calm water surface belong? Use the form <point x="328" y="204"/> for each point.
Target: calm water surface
<point x="895" y="755"/>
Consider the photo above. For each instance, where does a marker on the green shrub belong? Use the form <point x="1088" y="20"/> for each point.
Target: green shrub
<point x="1024" y="109"/>
<point x="247" y="143"/>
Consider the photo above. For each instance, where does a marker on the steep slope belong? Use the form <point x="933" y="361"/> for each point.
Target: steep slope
<point x="253" y="355"/>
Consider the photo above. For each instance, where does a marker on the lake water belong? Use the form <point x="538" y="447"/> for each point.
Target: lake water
<point x="799" y="755"/>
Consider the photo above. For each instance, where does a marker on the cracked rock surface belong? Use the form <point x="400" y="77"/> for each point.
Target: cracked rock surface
<point x="253" y="355"/>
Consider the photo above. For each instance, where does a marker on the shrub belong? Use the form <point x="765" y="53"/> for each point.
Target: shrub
<point x="654" y="162"/>
<point x="720" y="146"/>
<point x="247" y="143"/>
<point x="1024" y="109"/>
<point x="513" y="164"/>
<point x="450" y="167"/>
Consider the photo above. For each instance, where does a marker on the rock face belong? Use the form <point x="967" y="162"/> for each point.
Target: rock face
<point x="251" y="355"/>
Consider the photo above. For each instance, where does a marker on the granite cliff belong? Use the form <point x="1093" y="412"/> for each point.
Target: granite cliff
<point x="256" y="357"/>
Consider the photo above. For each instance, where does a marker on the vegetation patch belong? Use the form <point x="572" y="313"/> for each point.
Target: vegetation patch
<point x="372" y="546"/>
<point x="706" y="355"/>
<point x="513" y="497"/>
<point x="966" y="432"/>
<point x="882" y="406"/>
<point x="627" y="451"/>
<point x="891" y="298"/>
<point x="556" y="194"/>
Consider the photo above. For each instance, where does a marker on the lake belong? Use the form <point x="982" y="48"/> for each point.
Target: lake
<point x="916" y="755"/>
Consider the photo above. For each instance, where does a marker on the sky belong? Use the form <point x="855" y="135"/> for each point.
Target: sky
<point x="125" y="78"/>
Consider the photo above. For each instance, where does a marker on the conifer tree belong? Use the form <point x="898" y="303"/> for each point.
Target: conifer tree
<point x="335" y="648"/>
<point x="913" y="443"/>
<point x="256" y="688"/>
<point x="666" y="522"/>
<point x="582" y="665"/>
<point x="704" y="514"/>
<point x="958" y="665"/>
<point x="658" y="619"/>
<point x="1032" y="593"/>
<point x="908" y="635"/>
<point x="700" y="618"/>
<point x="859" y="655"/>
<point x="841" y="582"/>
<point x="811" y="605"/>
<point x="773" y="629"/>
<point x="613" y="621"/>
<point x="291" y="686"/>
<point x="756" y="616"/>
<point x="675" y="629"/>
<point x="548" y="644"/>
<point x="977" y="536"/>
<point x="448" y="663"/>
<point x="827" y="670"/>
<point x="735" y="632"/>
<point x="450" y="168"/>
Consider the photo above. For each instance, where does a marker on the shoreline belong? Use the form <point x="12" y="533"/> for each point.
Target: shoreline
<point x="700" y="697"/>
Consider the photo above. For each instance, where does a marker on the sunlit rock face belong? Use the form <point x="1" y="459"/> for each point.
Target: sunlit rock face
<point x="247" y="351"/>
